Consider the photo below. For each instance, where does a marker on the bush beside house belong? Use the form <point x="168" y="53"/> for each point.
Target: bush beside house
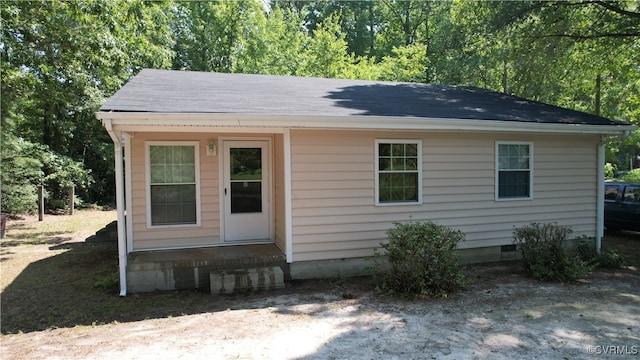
<point x="420" y="258"/>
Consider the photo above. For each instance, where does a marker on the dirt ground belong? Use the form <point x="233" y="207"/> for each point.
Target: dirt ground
<point x="502" y="315"/>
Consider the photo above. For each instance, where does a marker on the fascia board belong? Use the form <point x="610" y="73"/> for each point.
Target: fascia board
<point x="144" y="121"/>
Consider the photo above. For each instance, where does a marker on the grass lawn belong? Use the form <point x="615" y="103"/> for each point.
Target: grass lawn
<point x="52" y="278"/>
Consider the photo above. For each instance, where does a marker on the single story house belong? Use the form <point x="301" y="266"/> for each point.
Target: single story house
<point x="317" y="170"/>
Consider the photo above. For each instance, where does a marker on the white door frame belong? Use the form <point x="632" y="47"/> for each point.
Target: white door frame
<point x="267" y="171"/>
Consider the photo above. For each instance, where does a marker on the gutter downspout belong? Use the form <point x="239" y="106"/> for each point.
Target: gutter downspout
<point x="122" y="236"/>
<point x="600" y="194"/>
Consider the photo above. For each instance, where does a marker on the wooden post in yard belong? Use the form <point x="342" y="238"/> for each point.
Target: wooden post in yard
<point x="40" y="202"/>
<point x="71" y="198"/>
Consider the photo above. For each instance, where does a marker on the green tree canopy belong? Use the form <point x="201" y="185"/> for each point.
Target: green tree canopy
<point x="61" y="59"/>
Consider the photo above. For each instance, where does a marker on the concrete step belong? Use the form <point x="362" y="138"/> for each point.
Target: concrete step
<point x="245" y="280"/>
<point x="109" y="233"/>
<point x="191" y="268"/>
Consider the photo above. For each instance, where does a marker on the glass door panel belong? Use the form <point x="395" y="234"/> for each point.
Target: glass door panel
<point x="246" y="180"/>
<point x="246" y="190"/>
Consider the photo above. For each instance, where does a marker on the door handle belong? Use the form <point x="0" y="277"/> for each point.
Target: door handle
<point x="225" y="191"/>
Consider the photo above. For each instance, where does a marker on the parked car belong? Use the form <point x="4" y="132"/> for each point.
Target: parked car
<point x="621" y="206"/>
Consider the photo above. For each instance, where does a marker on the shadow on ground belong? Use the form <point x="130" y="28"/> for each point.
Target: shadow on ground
<point x="60" y="291"/>
<point x="40" y="238"/>
<point x="79" y="287"/>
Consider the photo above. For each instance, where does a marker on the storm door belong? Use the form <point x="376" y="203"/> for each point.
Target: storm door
<point x="246" y="190"/>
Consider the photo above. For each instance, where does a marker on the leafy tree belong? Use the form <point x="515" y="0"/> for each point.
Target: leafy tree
<point x="326" y="53"/>
<point x="208" y="33"/>
<point x="358" y="20"/>
<point x="632" y="176"/>
<point x="61" y="174"/>
<point x="18" y="174"/>
<point x="405" y="18"/>
<point x="363" y="68"/>
<point x="61" y="59"/>
<point x="552" y="51"/>
<point x="581" y="55"/>
<point x="407" y="64"/>
<point x="25" y="165"/>
<point x="274" y="44"/>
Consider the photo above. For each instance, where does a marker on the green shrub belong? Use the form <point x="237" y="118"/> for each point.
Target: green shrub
<point x="608" y="258"/>
<point x="420" y="258"/>
<point x="543" y="255"/>
<point x="585" y="250"/>
<point x="632" y="176"/>
<point x="609" y="171"/>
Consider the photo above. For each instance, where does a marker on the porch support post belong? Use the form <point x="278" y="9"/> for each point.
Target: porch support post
<point x="128" y="192"/>
<point x="287" y="196"/>
<point x="600" y="194"/>
<point x="120" y="204"/>
<point x="122" y="248"/>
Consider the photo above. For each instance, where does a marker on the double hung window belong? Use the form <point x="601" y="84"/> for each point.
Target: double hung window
<point x="398" y="171"/>
<point x="514" y="166"/>
<point x="172" y="178"/>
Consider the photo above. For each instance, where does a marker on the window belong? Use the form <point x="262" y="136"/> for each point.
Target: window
<point x="632" y="194"/>
<point x="172" y="178"/>
<point x="514" y="170"/>
<point x="398" y="172"/>
<point x="611" y="192"/>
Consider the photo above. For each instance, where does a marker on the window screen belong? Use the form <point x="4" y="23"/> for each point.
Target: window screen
<point x="172" y="192"/>
<point x="398" y="172"/>
<point x="514" y="171"/>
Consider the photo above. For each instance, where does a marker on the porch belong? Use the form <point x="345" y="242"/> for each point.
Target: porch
<point x="192" y="268"/>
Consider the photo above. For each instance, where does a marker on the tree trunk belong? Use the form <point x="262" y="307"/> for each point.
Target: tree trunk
<point x="40" y="203"/>
<point x="597" y="104"/>
<point x="71" y="199"/>
<point x="504" y="76"/>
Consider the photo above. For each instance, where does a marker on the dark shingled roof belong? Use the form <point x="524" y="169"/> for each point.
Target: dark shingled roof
<point x="166" y="91"/>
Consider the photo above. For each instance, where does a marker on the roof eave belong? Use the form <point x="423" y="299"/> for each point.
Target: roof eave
<point x="150" y="121"/>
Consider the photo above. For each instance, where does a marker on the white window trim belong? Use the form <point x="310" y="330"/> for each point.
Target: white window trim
<point x="148" y="144"/>
<point x="418" y="142"/>
<point x="497" y="170"/>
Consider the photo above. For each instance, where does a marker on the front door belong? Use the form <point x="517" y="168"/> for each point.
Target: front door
<point x="246" y="190"/>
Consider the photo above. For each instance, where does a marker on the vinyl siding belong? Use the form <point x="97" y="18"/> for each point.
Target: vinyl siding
<point x="208" y="233"/>
<point x="334" y="212"/>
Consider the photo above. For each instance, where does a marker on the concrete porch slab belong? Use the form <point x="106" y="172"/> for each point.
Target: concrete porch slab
<point x="190" y="268"/>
